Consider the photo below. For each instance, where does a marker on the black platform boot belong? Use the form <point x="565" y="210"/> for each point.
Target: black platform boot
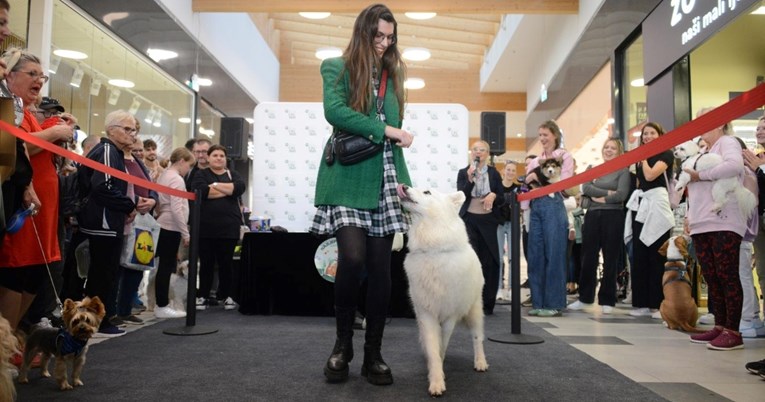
<point x="375" y="369"/>
<point x="342" y="354"/>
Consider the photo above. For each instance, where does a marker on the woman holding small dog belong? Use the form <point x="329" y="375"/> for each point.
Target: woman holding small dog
<point x="484" y="194"/>
<point x="602" y="232"/>
<point x="358" y="203"/>
<point x="548" y="230"/>
<point x="717" y="239"/>
<point x="651" y="226"/>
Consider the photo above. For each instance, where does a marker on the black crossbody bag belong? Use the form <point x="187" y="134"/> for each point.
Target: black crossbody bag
<point x="349" y="148"/>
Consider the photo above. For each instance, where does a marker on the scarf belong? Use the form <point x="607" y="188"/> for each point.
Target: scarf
<point x="481" y="181"/>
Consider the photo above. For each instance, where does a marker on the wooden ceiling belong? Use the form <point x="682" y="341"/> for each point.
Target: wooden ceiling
<point x="457" y="38"/>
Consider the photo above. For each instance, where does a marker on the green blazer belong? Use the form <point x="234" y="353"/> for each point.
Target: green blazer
<point x="356" y="186"/>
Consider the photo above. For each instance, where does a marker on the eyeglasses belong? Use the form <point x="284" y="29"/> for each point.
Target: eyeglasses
<point x="200" y="152"/>
<point x="36" y="76"/>
<point x="381" y="36"/>
<point x="476" y="149"/>
<point x="47" y="113"/>
<point x="127" y="130"/>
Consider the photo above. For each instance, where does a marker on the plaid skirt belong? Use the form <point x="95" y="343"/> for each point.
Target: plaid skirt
<point x="387" y="219"/>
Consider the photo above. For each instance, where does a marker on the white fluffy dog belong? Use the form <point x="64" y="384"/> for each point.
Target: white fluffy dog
<point x="445" y="278"/>
<point x="178" y="290"/>
<point x="688" y="152"/>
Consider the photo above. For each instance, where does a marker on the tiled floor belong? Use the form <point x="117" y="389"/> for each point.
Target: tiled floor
<point x="661" y="359"/>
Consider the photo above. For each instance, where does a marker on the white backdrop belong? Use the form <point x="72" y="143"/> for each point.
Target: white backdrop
<point x="289" y="140"/>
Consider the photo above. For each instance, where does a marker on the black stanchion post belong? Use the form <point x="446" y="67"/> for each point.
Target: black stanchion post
<point x="191" y="299"/>
<point x="516" y="337"/>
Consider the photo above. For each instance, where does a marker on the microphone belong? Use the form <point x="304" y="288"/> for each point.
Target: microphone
<point x="476" y="161"/>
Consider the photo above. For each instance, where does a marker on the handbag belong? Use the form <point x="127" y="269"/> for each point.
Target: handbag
<point x="585" y="201"/>
<point x="140" y="244"/>
<point x="349" y="148"/>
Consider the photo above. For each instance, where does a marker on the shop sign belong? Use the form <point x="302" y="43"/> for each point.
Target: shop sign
<point x="676" y="27"/>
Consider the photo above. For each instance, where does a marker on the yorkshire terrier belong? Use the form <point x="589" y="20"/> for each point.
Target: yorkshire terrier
<point x="68" y="344"/>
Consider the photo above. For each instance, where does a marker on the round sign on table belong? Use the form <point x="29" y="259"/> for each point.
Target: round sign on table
<point x="325" y="259"/>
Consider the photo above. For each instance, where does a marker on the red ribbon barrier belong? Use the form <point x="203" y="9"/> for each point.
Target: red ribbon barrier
<point x="740" y="105"/>
<point x="27" y="137"/>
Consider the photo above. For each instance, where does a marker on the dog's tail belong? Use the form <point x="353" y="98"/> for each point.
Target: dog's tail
<point x="688" y="328"/>
<point x="747" y="202"/>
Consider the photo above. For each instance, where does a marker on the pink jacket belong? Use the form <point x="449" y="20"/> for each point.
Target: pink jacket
<point x="173" y="212"/>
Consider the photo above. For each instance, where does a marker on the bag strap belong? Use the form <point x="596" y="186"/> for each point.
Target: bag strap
<point x="381" y="91"/>
<point x="238" y="201"/>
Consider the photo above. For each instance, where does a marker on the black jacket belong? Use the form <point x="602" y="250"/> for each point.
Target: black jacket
<point x="495" y="184"/>
<point x="108" y="204"/>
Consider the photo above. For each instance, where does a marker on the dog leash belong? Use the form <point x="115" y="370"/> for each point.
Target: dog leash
<point x="59" y="305"/>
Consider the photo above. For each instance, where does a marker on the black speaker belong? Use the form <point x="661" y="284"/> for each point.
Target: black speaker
<point x="233" y="135"/>
<point x="493" y="131"/>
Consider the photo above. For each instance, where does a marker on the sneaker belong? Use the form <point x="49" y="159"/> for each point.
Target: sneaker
<point x="607" y="309"/>
<point x="578" y="305"/>
<point x="627" y="300"/>
<point x="527" y="302"/>
<point x="641" y="312"/>
<point x="109" y="331"/>
<point x="117" y="322"/>
<point x="201" y="303"/>
<point x="728" y="340"/>
<point x="229" y="304"/>
<point x="656" y="315"/>
<point x="549" y="313"/>
<point x="756" y="367"/>
<point x="751" y="328"/>
<point x="708" y="336"/>
<point x="168" y="312"/>
<point x="131" y="319"/>
<point x="761" y="373"/>
<point x="535" y="311"/>
<point x="707" y="319"/>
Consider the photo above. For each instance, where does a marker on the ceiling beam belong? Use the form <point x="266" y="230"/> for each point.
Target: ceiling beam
<point x="355" y="6"/>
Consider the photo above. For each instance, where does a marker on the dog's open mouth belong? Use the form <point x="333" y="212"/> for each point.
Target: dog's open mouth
<point x="402" y="193"/>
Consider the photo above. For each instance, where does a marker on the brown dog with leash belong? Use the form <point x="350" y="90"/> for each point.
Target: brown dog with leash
<point x="678" y="309"/>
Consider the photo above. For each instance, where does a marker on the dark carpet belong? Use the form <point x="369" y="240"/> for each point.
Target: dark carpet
<point x="266" y="358"/>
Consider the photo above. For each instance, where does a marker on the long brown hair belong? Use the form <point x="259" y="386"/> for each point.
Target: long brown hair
<point x="360" y="56"/>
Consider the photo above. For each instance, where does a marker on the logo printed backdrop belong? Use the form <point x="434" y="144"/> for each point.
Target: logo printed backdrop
<point x="289" y="142"/>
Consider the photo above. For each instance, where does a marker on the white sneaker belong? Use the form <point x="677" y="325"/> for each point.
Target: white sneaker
<point x="506" y="294"/>
<point x="499" y="295"/>
<point x="577" y="305"/>
<point x="656" y="315"/>
<point x="201" y="303"/>
<point x="229" y="304"/>
<point x="641" y="312"/>
<point x="167" y="312"/>
<point x="751" y="328"/>
<point x="707" y="319"/>
<point x="607" y="309"/>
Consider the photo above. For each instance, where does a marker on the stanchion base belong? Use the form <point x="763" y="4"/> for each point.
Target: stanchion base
<point x="503" y="303"/>
<point x="190" y="331"/>
<point x="518" y="339"/>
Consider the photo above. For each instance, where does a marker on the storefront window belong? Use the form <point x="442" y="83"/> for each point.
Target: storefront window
<point x="633" y="89"/>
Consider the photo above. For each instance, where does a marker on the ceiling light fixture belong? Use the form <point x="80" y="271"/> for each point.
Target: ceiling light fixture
<point x="314" y="15"/>
<point x="420" y="16"/>
<point x="77" y="77"/>
<point x="416" y="53"/>
<point x="414" y="83"/>
<point x="122" y="83"/>
<point x="161" y="54"/>
<point x="184" y="120"/>
<point x="327" y="52"/>
<point x="114" y="96"/>
<point x="54" y="62"/>
<point x="70" y="54"/>
<point x="95" y="87"/>
<point x="637" y="82"/>
<point x="204" y="82"/>
<point x="134" y="106"/>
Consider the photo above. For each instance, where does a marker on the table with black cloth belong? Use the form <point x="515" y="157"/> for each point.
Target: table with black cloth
<point x="278" y="276"/>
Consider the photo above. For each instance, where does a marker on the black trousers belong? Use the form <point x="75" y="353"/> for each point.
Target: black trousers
<point x="647" y="271"/>
<point x="102" y="275"/>
<point x="220" y="252"/>
<point x="168" y="254"/>
<point x="603" y="230"/>
<point x="482" y="232"/>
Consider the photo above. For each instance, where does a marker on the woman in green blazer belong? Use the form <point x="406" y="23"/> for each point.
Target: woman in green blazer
<point x="358" y="203"/>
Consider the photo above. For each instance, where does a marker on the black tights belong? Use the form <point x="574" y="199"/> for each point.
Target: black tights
<point x="357" y="251"/>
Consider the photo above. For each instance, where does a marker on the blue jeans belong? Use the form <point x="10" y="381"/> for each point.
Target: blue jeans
<point x="548" y="237"/>
<point x="505" y="238"/>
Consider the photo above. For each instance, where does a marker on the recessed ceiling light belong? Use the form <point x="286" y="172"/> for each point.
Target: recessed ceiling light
<point x="70" y="54"/>
<point x="420" y="16"/>
<point x="122" y="83"/>
<point x="519" y="135"/>
<point x="314" y="15"/>
<point x="161" y="54"/>
<point x="184" y="120"/>
<point x="638" y="82"/>
<point x="327" y="52"/>
<point x="416" y="53"/>
<point x="414" y="83"/>
<point x="204" y="82"/>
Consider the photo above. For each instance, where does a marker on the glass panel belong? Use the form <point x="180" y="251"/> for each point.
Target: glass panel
<point x="634" y="92"/>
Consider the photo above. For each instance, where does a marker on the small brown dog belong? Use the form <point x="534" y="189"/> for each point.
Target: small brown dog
<point x="678" y="309"/>
<point x="68" y="344"/>
<point x="9" y="346"/>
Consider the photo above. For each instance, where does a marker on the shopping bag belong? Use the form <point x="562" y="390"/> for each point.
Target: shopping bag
<point x="140" y="244"/>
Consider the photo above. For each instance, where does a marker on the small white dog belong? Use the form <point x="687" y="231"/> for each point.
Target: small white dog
<point x="688" y="152"/>
<point x="445" y="278"/>
<point x="178" y="290"/>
